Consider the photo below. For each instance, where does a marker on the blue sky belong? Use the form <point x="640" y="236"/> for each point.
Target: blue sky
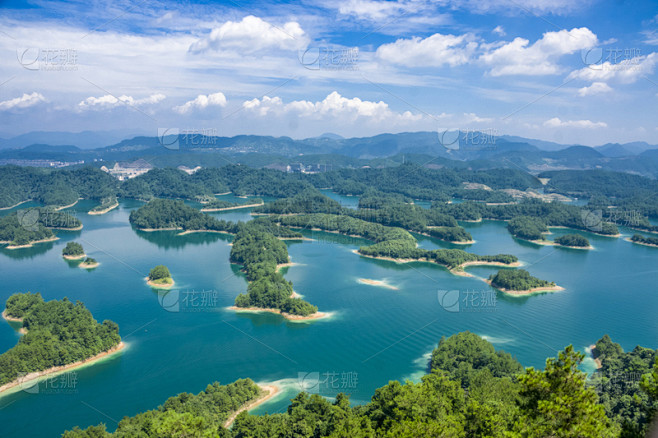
<point x="559" y="70"/>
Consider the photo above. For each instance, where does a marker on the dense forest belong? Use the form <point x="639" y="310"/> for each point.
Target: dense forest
<point x="73" y="249"/>
<point x="259" y="252"/>
<point x="624" y="383"/>
<point x="174" y="214"/>
<point x="517" y="280"/>
<point x="25" y="226"/>
<point x="471" y="391"/>
<point x="58" y="333"/>
<point x="390" y="242"/>
<point x="526" y="227"/>
<point x="573" y="240"/>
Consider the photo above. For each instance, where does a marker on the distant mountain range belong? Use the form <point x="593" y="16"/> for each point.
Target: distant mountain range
<point x="458" y="149"/>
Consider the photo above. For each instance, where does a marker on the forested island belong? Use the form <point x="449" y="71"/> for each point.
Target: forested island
<point x="520" y="282"/>
<point x="471" y="390"/>
<point x="169" y="214"/>
<point x="644" y="240"/>
<point x="393" y="243"/>
<point x="527" y="228"/>
<point x="73" y="251"/>
<point x="260" y="252"/>
<point x="23" y="228"/>
<point x="573" y="241"/>
<point x="57" y="334"/>
<point x="89" y="263"/>
<point x="159" y="277"/>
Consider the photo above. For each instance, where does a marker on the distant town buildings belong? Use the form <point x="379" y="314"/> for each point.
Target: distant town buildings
<point x="128" y="170"/>
<point x="309" y="168"/>
<point x="40" y="163"/>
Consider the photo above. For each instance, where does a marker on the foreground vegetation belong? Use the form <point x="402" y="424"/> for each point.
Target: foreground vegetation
<point x="58" y="333"/>
<point x="471" y="391"/>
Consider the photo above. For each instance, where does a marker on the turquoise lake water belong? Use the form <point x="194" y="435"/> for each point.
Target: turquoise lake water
<point x="374" y="335"/>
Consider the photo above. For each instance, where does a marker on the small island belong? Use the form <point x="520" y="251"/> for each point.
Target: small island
<point x="261" y="253"/>
<point x="221" y="205"/>
<point x="520" y="282"/>
<point x="73" y="251"/>
<point x="89" y="263"/>
<point x="58" y="335"/>
<point x="644" y="240"/>
<point x="160" y="278"/>
<point x="573" y="241"/>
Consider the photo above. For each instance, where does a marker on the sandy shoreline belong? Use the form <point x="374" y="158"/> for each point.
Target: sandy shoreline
<point x="38" y="375"/>
<point x="237" y="207"/>
<point x="84" y="265"/>
<point x="67" y="206"/>
<point x="158" y="285"/>
<point x="105" y="210"/>
<point x="270" y="391"/>
<point x="597" y="361"/>
<point x="285" y="265"/>
<point x="526" y="292"/>
<point x="15" y="205"/>
<point x="288" y="316"/>
<point x="378" y="283"/>
<point x="201" y="231"/>
<point x="31" y="244"/>
<point x="79" y="257"/>
<point x="628" y="239"/>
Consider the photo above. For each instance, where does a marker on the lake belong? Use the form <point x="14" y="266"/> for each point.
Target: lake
<point x="374" y="335"/>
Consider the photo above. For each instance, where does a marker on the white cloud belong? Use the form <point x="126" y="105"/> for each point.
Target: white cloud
<point x="499" y="30"/>
<point x="540" y="7"/>
<point x="253" y="34"/>
<point x="202" y="101"/>
<point x="586" y="124"/>
<point x="25" y="101"/>
<point x="377" y="10"/>
<point x="435" y="50"/>
<point x="519" y="58"/>
<point x="109" y="101"/>
<point x="626" y="71"/>
<point x="334" y="105"/>
<point x="595" y="88"/>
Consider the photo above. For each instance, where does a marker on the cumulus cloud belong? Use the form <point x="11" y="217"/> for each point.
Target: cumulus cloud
<point x="109" y="101"/>
<point x="520" y="58"/>
<point x="436" y="50"/>
<point x="201" y="102"/>
<point x="253" y="34"/>
<point x="625" y="71"/>
<point x="595" y="88"/>
<point x="586" y="124"/>
<point x="25" y="101"/>
<point x="334" y="105"/>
